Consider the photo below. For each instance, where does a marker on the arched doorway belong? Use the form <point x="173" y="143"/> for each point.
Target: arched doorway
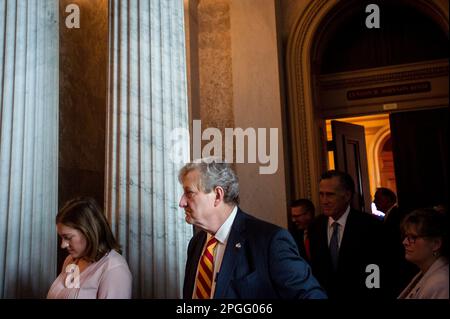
<point x="386" y="164"/>
<point x="313" y="86"/>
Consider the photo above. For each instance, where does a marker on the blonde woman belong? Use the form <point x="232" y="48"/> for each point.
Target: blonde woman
<point x="425" y="241"/>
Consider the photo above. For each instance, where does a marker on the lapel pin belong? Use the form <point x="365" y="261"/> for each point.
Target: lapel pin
<point x="238" y="245"/>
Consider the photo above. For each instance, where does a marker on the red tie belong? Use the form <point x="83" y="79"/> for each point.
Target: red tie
<point x="306" y="241"/>
<point x="206" y="271"/>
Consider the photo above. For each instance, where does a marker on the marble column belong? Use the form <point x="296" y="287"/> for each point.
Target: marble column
<point x="28" y="146"/>
<point x="147" y="100"/>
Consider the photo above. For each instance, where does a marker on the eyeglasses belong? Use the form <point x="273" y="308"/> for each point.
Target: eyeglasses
<point x="411" y="239"/>
<point x="298" y="215"/>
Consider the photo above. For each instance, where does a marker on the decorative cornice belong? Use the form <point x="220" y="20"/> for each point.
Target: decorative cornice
<point x="382" y="75"/>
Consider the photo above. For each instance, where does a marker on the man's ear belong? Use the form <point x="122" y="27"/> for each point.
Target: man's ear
<point x="219" y="194"/>
<point x="348" y="196"/>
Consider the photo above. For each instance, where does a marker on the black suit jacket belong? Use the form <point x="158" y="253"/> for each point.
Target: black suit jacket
<point x="299" y="240"/>
<point x="359" y="247"/>
<point x="260" y="261"/>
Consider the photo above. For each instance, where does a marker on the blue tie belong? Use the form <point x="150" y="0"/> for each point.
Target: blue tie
<point x="334" y="246"/>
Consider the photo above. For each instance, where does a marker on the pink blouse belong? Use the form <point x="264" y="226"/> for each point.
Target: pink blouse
<point x="108" y="278"/>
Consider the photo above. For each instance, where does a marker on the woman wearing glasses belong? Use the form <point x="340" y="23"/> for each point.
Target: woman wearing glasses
<point x="425" y="241"/>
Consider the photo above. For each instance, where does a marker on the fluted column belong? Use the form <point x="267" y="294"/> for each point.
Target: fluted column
<point x="147" y="100"/>
<point x="28" y="146"/>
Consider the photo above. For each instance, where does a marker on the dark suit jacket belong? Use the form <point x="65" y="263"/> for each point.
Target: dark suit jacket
<point x="266" y="264"/>
<point x="359" y="248"/>
<point x="299" y="240"/>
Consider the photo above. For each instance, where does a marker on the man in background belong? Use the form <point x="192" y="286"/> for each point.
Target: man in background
<point x="399" y="271"/>
<point x="344" y="241"/>
<point x="302" y="214"/>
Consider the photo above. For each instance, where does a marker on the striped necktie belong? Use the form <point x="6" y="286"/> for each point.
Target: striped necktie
<point x="206" y="271"/>
<point x="334" y="246"/>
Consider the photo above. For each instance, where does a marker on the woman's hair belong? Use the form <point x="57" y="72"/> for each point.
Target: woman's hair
<point x="85" y="215"/>
<point x="428" y="223"/>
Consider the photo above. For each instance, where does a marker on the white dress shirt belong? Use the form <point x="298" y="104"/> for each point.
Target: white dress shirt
<point x="222" y="238"/>
<point x="341" y="221"/>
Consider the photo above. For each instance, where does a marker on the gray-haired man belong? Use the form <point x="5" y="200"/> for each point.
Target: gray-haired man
<point x="236" y="255"/>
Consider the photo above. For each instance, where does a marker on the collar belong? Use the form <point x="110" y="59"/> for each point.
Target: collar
<point x="389" y="210"/>
<point x="224" y="230"/>
<point x="342" y="220"/>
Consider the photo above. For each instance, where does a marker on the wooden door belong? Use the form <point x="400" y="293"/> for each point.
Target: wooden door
<point x="349" y="146"/>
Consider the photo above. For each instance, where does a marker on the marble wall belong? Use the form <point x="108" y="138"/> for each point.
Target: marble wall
<point x="239" y="87"/>
<point x="28" y="146"/>
<point x="257" y="104"/>
<point x="82" y="103"/>
<point x="83" y="80"/>
<point x="215" y="65"/>
<point x="288" y="13"/>
<point x="148" y="102"/>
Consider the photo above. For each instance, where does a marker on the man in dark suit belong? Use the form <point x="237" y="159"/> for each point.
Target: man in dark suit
<point x="344" y="241"/>
<point x="302" y="214"/>
<point x="399" y="271"/>
<point x="235" y="255"/>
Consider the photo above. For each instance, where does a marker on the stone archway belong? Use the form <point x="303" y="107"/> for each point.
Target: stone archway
<point x="308" y="149"/>
<point x="379" y="140"/>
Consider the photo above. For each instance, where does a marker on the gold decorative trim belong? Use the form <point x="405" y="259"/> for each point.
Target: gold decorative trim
<point x="328" y="83"/>
<point x="303" y="133"/>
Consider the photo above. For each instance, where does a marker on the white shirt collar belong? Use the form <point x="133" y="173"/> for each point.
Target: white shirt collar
<point x="342" y="220"/>
<point x="224" y="230"/>
<point x="389" y="210"/>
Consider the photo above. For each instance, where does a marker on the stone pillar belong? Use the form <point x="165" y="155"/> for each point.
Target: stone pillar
<point x="257" y="104"/>
<point x="28" y="146"/>
<point x="147" y="100"/>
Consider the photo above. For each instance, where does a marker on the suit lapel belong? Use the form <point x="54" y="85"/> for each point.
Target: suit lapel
<point x="349" y="230"/>
<point x="322" y="248"/>
<point x="196" y="254"/>
<point x="324" y="237"/>
<point x="235" y="244"/>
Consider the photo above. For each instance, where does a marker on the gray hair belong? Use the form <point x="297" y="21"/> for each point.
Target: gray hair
<point x="212" y="174"/>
